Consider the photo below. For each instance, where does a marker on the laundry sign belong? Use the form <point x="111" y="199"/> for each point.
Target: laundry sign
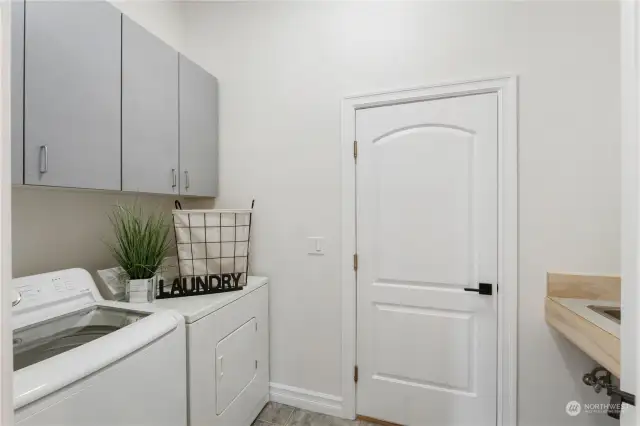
<point x="198" y="285"/>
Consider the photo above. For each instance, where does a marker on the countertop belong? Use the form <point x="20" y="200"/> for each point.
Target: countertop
<point x="195" y="307"/>
<point x="595" y="334"/>
<point x="581" y="307"/>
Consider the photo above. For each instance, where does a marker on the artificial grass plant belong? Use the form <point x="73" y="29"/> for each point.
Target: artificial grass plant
<point x="142" y="241"/>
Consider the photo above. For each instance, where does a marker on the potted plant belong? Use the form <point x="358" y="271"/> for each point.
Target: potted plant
<point x="142" y="243"/>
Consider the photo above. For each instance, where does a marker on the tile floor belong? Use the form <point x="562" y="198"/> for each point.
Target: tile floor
<point x="275" y="414"/>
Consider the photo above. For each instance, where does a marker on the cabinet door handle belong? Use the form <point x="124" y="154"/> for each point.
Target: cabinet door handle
<point x="175" y="178"/>
<point x="44" y="159"/>
<point x="186" y="179"/>
<point x="219" y="366"/>
<point x="18" y="299"/>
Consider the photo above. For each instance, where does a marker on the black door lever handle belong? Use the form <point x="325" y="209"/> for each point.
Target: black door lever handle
<point x="483" y="288"/>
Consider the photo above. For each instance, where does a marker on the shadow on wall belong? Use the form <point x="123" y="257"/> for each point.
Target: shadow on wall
<point x="56" y="229"/>
<point x="577" y="363"/>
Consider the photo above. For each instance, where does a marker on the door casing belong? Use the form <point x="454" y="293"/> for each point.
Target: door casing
<point x="506" y="90"/>
<point x="630" y="203"/>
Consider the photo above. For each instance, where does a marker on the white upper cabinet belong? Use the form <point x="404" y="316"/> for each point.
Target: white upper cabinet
<point x="72" y="94"/>
<point x="198" y="130"/>
<point x="150" y="146"/>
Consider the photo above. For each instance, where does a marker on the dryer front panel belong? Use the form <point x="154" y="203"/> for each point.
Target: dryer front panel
<point x="236" y="363"/>
<point x="226" y="385"/>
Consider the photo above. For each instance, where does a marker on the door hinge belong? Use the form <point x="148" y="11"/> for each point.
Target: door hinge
<point x="355" y="374"/>
<point x="355" y="262"/>
<point x="355" y="150"/>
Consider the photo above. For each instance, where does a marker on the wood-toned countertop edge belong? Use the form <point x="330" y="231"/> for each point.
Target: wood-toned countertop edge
<point x="553" y="299"/>
<point x="599" y="344"/>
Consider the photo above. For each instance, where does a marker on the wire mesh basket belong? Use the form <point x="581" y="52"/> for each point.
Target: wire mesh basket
<point x="214" y="244"/>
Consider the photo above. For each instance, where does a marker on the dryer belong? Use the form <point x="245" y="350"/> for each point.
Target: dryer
<point x="227" y="353"/>
<point x="83" y="361"/>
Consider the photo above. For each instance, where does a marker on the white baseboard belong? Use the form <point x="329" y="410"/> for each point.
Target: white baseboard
<point x="306" y="399"/>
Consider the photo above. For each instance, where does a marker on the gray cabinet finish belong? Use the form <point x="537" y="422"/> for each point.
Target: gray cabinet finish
<point x="98" y="102"/>
<point x="149" y="112"/>
<point x="17" y="91"/>
<point x="72" y="94"/>
<point x="198" y="130"/>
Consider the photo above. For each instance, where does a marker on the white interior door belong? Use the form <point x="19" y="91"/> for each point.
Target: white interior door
<point x="427" y="228"/>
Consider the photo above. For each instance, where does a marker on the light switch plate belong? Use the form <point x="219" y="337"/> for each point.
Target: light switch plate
<point x="316" y="245"/>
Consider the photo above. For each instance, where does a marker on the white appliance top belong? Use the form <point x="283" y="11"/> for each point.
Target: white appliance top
<point x="195" y="307"/>
<point x="45" y="296"/>
<point x="64" y="331"/>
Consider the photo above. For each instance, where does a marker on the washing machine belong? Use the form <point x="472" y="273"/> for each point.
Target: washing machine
<point x="227" y="353"/>
<point x="82" y="361"/>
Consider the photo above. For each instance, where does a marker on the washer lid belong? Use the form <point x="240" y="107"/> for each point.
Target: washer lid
<point x="192" y="308"/>
<point x="49" y="374"/>
<point x="41" y="341"/>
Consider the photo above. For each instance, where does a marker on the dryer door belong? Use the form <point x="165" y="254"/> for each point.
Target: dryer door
<point x="236" y="363"/>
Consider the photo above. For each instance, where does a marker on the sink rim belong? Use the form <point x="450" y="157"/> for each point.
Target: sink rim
<point x="602" y="310"/>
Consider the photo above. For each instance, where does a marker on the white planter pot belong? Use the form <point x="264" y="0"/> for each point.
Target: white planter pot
<point x="141" y="291"/>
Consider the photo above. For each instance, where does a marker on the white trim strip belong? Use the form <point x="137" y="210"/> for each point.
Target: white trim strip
<point x="306" y="399"/>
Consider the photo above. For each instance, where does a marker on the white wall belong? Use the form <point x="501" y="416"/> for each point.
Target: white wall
<point x="55" y="228"/>
<point x="163" y="18"/>
<point x="58" y="229"/>
<point x="283" y="69"/>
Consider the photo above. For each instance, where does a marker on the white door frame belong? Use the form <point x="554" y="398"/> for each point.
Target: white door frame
<point x="630" y="201"/>
<point x="506" y="90"/>
<point x="6" y="332"/>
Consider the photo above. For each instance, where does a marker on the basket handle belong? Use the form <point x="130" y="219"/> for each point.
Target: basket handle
<point x="178" y="205"/>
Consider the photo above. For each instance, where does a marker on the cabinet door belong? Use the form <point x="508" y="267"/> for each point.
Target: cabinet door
<point x="149" y="112"/>
<point x="198" y="130"/>
<point x="72" y="94"/>
<point x="17" y="91"/>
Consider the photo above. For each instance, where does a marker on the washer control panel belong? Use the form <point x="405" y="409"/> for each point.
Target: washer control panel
<point x="53" y="293"/>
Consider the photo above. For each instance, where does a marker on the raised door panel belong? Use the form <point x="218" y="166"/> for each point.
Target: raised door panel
<point x="149" y="112"/>
<point x="72" y="94"/>
<point x="198" y="130"/>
